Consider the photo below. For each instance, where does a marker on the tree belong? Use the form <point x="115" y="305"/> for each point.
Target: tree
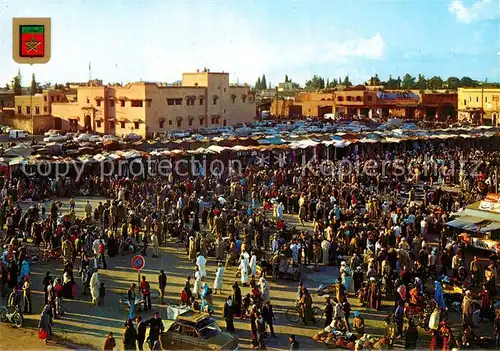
<point x="346" y="81"/>
<point x="467" y="82"/>
<point x="421" y="83"/>
<point x="392" y="83"/>
<point x="258" y="85"/>
<point x="453" y="83"/>
<point x="408" y="82"/>
<point x="16" y="84"/>
<point x="263" y="82"/>
<point x="374" y="81"/>
<point x="7" y="86"/>
<point x="435" y="83"/>
<point x="315" y="83"/>
<point x="286" y="78"/>
<point x="335" y="82"/>
<point x="33" y="89"/>
<point x="327" y="84"/>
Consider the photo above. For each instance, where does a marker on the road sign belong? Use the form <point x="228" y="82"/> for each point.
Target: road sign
<point x="31" y="40"/>
<point x="138" y="262"/>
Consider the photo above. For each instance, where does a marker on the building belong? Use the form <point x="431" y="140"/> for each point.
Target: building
<point x="361" y="101"/>
<point x="6" y="98"/>
<point x="203" y="99"/>
<point x="479" y="105"/>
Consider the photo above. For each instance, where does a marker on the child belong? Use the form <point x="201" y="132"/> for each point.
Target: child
<point x="102" y="293"/>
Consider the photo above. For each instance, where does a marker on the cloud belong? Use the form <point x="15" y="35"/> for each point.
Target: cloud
<point x="479" y="10"/>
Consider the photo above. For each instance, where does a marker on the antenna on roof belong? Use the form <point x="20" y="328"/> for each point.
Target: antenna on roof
<point x="90" y="73"/>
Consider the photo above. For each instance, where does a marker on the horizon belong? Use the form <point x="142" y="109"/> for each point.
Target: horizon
<point x="158" y="41"/>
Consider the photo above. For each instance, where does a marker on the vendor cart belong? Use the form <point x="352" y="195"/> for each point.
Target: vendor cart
<point x="139" y="302"/>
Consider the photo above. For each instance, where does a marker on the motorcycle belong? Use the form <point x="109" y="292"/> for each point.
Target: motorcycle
<point x="15" y="317"/>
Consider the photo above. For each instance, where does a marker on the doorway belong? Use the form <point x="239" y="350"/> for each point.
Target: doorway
<point x="87" y="123"/>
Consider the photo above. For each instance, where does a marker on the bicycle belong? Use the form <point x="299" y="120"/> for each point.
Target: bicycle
<point x="294" y="314"/>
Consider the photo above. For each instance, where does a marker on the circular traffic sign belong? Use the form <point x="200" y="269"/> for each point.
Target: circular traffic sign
<point x="138" y="262"/>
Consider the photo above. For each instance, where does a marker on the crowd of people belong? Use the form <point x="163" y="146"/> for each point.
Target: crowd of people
<point x="376" y="227"/>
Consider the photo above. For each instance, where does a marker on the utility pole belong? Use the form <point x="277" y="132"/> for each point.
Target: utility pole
<point x="31" y="109"/>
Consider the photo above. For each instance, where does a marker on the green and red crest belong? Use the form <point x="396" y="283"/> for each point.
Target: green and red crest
<point x="32" y="41"/>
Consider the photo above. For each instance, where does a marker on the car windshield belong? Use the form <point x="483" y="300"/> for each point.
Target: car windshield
<point x="209" y="331"/>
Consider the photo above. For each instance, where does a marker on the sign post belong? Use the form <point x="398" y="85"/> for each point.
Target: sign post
<point x="138" y="263"/>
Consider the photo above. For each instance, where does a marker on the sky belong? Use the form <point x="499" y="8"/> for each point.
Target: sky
<point x="157" y="40"/>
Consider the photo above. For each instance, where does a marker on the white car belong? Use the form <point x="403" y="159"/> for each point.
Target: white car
<point x="94" y="139"/>
<point x="83" y="137"/>
<point x="54" y="138"/>
<point x="109" y="137"/>
<point x="52" y="132"/>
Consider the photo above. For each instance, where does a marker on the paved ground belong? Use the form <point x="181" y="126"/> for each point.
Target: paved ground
<point x="86" y="324"/>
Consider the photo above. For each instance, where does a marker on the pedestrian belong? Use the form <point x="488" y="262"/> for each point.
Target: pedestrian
<point x="201" y="261"/>
<point x="467" y="308"/>
<point x="399" y="319"/>
<point x="219" y="277"/>
<point x="102" y="254"/>
<point x="294" y="344"/>
<point x="197" y="282"/>
<point x="328" y="310"/>
<point x="27" y="305"/>
<point x="358" y="324"/>
<point x="229" y="314"/>
<point x="146" y="293"/>
<point x="346" y="308"/>
<point x="45" y="324"/>
<point x="162" y="285"/>
<point x="129" y="336"/>
<point x="155" y="328"/>
<point x="261" y="330"/>
<point x="131" y="301"/>
<point x="102" y="294"/>
<point x="268" y="315"/>
<point x="110" y="342"/>
<point x="141" y="332"/>
<point x="411" y="336"/>
<point x="95" y="284"/>
<point x="237" y="299"/>
<point x="155" y="244"/>
<point x="47" y="280"/>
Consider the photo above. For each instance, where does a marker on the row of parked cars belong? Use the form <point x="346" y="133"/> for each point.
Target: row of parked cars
<point x="58" y="136"/>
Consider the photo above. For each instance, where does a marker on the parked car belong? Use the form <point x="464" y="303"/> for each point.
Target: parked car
<point x="196" y="331"/>
<point x="18" y="134"/>
<point x="132" y="137"/>
<point x="52" y="132"/>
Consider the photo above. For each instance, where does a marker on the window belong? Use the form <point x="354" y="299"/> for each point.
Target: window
<point x="111" y="124"/>
<point x="233" y="97"/>
<point x="45" y="98"/>
<point x="170" y="102"/>
<point x="202" y="121"/>
<point x="190" y="101"/>
<point x="122" y="124"/>
<point x="214" y="100"/>
<point x="485" y="99"/>
<point x="122" y="103"/>
<point x="45" y="109"/>
<point x="190" y="122"/>
<point x="349" y="98"/>
<point x="477" y="98"/>
<point x="98" y="102"/>
<point x="178" y="101"/>
<point x="88" y="101"/>
<point x="37" y="110"/>
<point x="28" y="110"/>
<point x="170" y="122"/>
<point x="179" y="123"/>
<point x="19" y="109"/>
<point x="224" y="110"/>
<point x="202" y="100"/>
<point x="224" y="89"/>
<point x="358" y="98"/>
<point x="369" y="98"/>
<point x="58" y="98"/>
<point x="189" y="331"/>
<point x="340" y="98"/>
<point x="465" y="101"/>
<point x="98" y="124"/>
<point x="162" y="123"/>
<point x="136" y="125"/>
<point x="136" y="103"/>
<point x="224" y="123"/>
<point x="111" y="103"/>
<point x="148" y="102"/>
<point x="470" y="98"/>
<point x="52" y="99"/>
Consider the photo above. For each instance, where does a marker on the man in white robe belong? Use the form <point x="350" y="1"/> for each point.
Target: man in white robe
<point x="243" y="267"/>
<point x="325" y="248"/>
<point x="281" y="210"/>
<point x="253" y="265"/>
<point x="95" y="283"/>
<point x="219" y="277"/>
<point x="201" y="261"/>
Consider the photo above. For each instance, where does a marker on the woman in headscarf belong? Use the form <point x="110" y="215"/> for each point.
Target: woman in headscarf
<point x="237" y="299"/>
<point x="219" y="277"/>
<point x="206" y="299"/>
<point x="438" y="295"/>
<point x="192" y="249"/>
<point x="229" y="314"/>
<point x="25" y="271"/>
<point x="95" y="283"/>
<point x="345" y="273"/>
<point x="486" y="305"/>
<point x="45" y="324"/>
<point x="306" y="304"/>
<point x="129" y="336"/>
<point x="265" y="289"/>
<point x="112" y="245"/>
